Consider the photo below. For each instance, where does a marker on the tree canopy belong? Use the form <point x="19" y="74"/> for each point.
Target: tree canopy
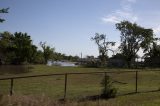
<point x="3" y="10"/>
<point x="103" y="46"/>
<point x="47" y="51"/>
<point x="133" y="38"/>
<point x="16" y="48"/>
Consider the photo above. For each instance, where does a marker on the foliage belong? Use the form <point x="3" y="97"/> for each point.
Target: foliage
<point x="23" y="48"/>
<point x="14" y="69"/>
<point x="16" y="48"/>
<point x="59" y="56"/>
<point x="134" y="38"/>
<point x="47" y="51"/>
<point x="6" y="43"/>
<point x="103" y="46"/>
<point x="117" y="61"/>
<point x="108" y="90"/>
<point x="155" y="51"/>
<point x="92" y="64"/>
<point x="153" y="57"/>
<point x="39" y="58"/>
<point x="3" y="10"/>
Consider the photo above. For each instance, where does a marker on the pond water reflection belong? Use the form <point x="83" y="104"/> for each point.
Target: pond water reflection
<point x="61" y="63"/>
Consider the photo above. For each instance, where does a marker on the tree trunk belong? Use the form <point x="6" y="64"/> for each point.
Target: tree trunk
<point x="0" y="62"/>
<point x="129" y="63"/>
<point x="103" y="60"/>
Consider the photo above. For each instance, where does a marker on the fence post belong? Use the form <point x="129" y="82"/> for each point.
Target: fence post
<point x="65" y="86"/>
<point x="136" y="90"/>
<point x="105" y="81"/>
<point x="11" y="87"/>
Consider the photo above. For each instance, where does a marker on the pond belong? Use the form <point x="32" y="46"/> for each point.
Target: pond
<point x="61" y="63"/>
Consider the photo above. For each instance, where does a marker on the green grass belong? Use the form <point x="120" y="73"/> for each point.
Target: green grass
<point x="80" y="86"/>
<point x="139" y="99"/>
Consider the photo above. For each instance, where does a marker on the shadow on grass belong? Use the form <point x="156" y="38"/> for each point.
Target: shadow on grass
<point x="14" y="69"/>
<point x="132" y="93"/>
<point x="87" y="98"/>
<point x="99" y="97"/>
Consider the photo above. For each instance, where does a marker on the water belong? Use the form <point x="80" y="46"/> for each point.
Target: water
<point x="61" y="63"/>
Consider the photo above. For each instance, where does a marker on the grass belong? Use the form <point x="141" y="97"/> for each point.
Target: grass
<point x="80" y="86"/>
<point x="140" y="99"/>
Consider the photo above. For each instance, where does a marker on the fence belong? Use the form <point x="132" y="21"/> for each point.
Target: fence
<point x="137" y="78"/>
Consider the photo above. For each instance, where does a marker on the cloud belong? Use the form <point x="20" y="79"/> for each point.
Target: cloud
<point x="127" y="4"/>
<point x="112" y="19"/>
<point x="120" y="15"/>
<point x="124" y="13"/>
<point x="132" y="1"/>
<point x="114" y="48"/>
<point x="156" y="30"/>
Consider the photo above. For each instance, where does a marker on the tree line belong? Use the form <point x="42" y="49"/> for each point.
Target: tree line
<point x="133" y="39"/>
<point x="18" y="48"/>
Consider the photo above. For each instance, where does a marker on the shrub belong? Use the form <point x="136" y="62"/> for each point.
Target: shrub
<point x="108" y="90"/>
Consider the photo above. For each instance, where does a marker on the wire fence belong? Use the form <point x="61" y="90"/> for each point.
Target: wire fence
<point x="80" y="85"/>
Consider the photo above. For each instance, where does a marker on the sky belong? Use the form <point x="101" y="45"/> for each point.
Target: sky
<point x="68" y="25"/>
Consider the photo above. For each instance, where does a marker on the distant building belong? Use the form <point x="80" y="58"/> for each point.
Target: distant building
<point x="116" y="61"/>
<point x="152" y="62"/>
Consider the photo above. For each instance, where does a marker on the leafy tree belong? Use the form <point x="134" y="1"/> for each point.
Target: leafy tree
<point x="153" y="57"/>
<point x="6" y="43"/>
<point x="108" y="91"/>
<point x="31" y="58"/>
<point x="47" y="51"/>
<point x="4" y="10"/>
<point x="103" y="46"/>
<point x="59" y="56"/>
<point x="154" y="50"/>
<point x="39" y="58"/>
<point x="134" y="38"/>
<point x="16" y="48"/>
<point x="72" y="58"/>
<point x="23" y="48"/>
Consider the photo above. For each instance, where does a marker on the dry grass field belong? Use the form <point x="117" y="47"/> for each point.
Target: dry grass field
<point x="46" y="91"/>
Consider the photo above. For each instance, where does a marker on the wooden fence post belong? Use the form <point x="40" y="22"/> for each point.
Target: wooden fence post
<point x="136" y="89"/>
<point x="11" y="87"/>
<point x="105" y="82"/>
<point x="65" y="86"/>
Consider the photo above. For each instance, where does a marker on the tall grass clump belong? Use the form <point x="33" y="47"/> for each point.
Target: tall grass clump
<point x="108" y="91"/>
<point x="14" y="69"/>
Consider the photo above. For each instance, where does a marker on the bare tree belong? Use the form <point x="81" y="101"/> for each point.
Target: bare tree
<point x="103" y="46"/>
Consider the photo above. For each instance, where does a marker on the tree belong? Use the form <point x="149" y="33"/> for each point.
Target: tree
<point x="155" y="51"/>
<point x="103" y="46"/>
<point x="1" y="20"/>
<point x="6" y="43"/>
<point x="23" y="48"/>
<point x="134" y="38"/>
<point x="47" y="51"/>
<point x="153" y="57"/>
<point x="39" y="58"/>
<point x="32" y="54"/>
<point x="108" y="91"/>
<point x="16" y="48"/>
<point x="4" y="10"/>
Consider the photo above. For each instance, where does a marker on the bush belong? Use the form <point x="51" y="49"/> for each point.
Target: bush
<point x="14" y="69"/>
<point x="108" y="90"/>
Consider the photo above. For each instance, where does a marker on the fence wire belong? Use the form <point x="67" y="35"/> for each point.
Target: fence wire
<point x="80" y="85"/>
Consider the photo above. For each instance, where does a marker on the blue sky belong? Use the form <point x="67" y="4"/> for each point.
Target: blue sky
<point x="68" y="25"/>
